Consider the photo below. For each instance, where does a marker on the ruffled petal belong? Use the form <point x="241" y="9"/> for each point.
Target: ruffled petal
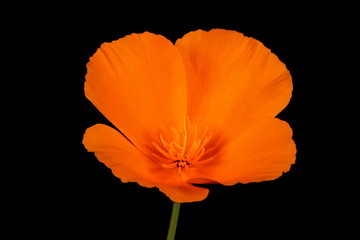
<point x="131" y="165"/>
<point x="138" y="83"/>
<point x="263" y="152"/>
<point x="232" y="79"/>
<point x="118" y="154"/>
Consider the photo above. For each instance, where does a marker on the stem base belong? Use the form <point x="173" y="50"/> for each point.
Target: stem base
<point x="173" y="221"/>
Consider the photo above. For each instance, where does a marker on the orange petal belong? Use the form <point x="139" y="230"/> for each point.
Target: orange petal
<point x="184" y="193"/>
<point x="131" y="165"/>
<point x="118" y="154"/>
<point x="138" y="83"/>
<point x="232" y="79"/>
<point x="263" y="152"/>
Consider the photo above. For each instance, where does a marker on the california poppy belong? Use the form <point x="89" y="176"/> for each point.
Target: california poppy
<point x="200" y="111"/>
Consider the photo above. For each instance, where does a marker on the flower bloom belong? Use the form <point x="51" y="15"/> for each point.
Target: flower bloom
<point x="200" y="111"/>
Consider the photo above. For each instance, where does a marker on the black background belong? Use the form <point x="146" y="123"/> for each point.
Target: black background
<point x="92" y="201"/>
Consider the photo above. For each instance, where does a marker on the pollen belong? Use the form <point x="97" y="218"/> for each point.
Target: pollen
<point x="183" y="148"/>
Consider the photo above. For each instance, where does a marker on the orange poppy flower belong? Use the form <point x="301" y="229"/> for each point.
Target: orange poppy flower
<point x="199" y="111"/>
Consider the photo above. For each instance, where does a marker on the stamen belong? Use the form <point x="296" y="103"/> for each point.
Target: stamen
<point x="199" y="155"/>
<point x="172" y="151"/>
<point x="161" y="159"/>
<point x="160" y="149"/>
<point x="185" y="150"/>
<point x="185" y="135"/>
<point x="176" y="134"/>
<point x="178" y="146"/>
<point x="163" y="141"/>
<point x="170" y="165"/>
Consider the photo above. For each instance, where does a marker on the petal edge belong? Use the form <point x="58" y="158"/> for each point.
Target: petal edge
<point x="262" y="153"/>
<point x="232" y="79"/>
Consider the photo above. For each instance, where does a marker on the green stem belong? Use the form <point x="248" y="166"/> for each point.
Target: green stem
<point x="173" y="221"/>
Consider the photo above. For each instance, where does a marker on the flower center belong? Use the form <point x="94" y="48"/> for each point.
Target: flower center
<point x="183" y="148"/>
